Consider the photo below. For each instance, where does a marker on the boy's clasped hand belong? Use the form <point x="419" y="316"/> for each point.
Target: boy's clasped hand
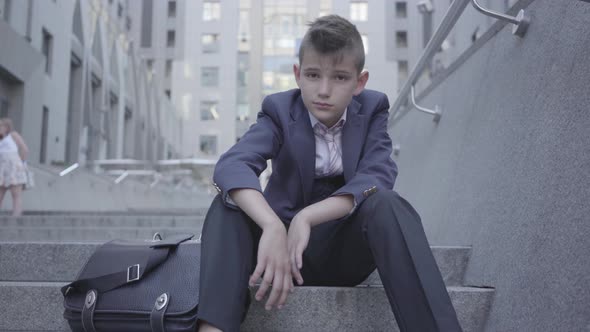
<point x="280" y="259"/>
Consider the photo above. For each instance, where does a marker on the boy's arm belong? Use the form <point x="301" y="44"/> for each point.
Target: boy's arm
<point x="241" y="165"/>
<point x="272" y="258"/>
<point x="331" y="208"/>
<point x="236" y="178"/>
<point x="376" y="170"/>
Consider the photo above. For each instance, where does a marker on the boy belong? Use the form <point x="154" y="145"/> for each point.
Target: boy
<point x="328" y="215"/>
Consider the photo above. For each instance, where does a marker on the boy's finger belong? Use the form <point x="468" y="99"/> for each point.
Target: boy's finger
<point x="257" y="273"/>
<point x="266" y="282"/>
<point x="287" y="285"/>
<point x="275" y="292"/>
<point x="298" y="257"/>
<point x="294" y="270"/>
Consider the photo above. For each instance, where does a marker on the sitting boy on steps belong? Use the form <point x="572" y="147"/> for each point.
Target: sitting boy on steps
<point x="328" y="216"/>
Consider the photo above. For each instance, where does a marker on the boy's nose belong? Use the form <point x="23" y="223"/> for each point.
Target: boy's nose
<point x="324" y="89"/>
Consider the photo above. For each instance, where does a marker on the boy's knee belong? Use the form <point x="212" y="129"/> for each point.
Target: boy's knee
<point x="379" y="200"/>
<point x="390" y="206"/>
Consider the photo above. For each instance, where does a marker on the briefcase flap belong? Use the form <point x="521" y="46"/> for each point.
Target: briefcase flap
<point x="177" y="275"/>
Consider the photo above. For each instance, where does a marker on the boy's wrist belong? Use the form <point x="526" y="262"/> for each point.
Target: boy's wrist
<point x="273" y="223"/>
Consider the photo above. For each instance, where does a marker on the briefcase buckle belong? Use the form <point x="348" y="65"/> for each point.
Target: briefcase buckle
<point x="133" y="273"/>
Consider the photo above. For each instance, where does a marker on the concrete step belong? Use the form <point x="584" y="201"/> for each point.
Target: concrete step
<point x="22" y="261"/>
<point x="38" y="306"/>
<point x="91" y="234"/>
<point x="103" y="221"/>
<point x="141" y="212"/>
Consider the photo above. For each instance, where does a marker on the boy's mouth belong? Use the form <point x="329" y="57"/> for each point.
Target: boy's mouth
<point x="322" y="106"/>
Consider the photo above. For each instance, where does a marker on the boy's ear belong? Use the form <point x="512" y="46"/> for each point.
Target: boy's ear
<point x="297" y="72"/>
<point x="361" y="82"/>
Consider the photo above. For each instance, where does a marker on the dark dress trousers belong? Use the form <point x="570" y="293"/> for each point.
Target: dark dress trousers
<point x="383" y="232"/>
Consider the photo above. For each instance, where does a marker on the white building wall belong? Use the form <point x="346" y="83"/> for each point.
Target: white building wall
<point x="187" y="88"/>
<point x="56" y="17"/>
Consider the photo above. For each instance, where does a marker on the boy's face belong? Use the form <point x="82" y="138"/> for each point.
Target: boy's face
<point x="328" y="83"/>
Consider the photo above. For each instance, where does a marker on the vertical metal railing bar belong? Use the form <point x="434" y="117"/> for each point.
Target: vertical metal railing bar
<point x="451" y="17"/>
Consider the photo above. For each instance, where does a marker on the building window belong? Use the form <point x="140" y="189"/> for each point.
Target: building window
<point x="172" y="8"/>
<point x="209" y="110"/>
<point x="365" y="39"/>
<point x="44" y="136"/>
<point x="402" y="72"/>
<point x="168" y="68"/>
<point x="359" y="11"/>
<point x="401" y="9"/>
<point x="211" y="10"/>
<point x="47" y="49"/>
<point x="120" y="10"/>
<point x="208" y="144"/>
<point x="150" y="65"/>
<point x="4" y="108"/>
<point x="210" y="42"/>
<point x="209" y="76"/>
<point x="171" y="38"/>
<point x="168" y="93"/>
<point x="401" y="39"/>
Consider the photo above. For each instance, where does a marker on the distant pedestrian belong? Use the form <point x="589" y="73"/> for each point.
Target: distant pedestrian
<point x="13" y="175"/>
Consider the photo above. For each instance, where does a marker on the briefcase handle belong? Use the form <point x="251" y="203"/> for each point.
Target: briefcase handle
<point x="152" y="259"/>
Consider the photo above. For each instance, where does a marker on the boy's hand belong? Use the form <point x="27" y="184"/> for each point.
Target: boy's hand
<point x="273" y="266"/>
<point x="298" y="240"/>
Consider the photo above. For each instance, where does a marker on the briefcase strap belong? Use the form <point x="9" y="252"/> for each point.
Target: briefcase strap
<point x="104" y="283"/>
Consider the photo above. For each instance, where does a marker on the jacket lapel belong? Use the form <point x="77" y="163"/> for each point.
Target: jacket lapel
<point x="303" y="146"/>
<point x="352" y="139"/>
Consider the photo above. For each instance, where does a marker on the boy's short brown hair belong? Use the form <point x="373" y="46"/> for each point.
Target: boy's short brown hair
<point x="334" y="35"/>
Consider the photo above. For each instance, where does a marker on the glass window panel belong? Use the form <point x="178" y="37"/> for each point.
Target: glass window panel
<point x="209" y="76"/>
<point x="359" y="11"/>
<point x="211" y="11"/>
<point x="208" y="144"/>
<point x="209" y="110"/>
<point x="401" y="9"/>
<point x="210" y="42"/>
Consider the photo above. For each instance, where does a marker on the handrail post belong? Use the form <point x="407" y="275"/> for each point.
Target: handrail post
<point x="520" y="22"/>
<point x="437" y="113"/>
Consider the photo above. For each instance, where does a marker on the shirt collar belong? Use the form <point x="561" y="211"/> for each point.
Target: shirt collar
<point x="315" y="121"/>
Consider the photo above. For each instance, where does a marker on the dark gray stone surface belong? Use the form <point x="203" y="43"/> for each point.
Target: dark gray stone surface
<point x="103" y="221"/>
<point x="93" y="234"/>
<point x="40" y="261"/>
<point x="38" y="306"/>
<point x="507" y="168"/>
<point x="356" y="309"/>
<point x="452" y="263"/>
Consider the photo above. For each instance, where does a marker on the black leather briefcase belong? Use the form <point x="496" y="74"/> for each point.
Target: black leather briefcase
<point x="137" y="286"/>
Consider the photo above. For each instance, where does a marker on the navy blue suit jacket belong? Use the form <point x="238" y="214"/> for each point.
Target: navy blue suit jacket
<point x="283" y="133"/>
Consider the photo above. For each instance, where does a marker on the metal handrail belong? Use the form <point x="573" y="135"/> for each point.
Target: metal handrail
<point x="521" y="21"/>
<point x="69" y="169"/>
<point x="450" y="19"/>
<point x="443" y="30"/>
<point x="437" y="112"/>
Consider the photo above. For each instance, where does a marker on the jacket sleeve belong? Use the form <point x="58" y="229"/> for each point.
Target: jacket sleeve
<point x="376" y="170"/>
<point x="242" y="164"/>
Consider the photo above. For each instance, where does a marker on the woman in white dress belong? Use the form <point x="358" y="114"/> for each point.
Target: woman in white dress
<point x="13" y="153"/>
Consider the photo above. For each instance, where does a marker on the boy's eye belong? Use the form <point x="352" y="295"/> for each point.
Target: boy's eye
<point x="312" y="75"/>
<point x="341" y="77"/>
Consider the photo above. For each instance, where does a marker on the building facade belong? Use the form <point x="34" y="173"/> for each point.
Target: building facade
<point x="73" y="84"/>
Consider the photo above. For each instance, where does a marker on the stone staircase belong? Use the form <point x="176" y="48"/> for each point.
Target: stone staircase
<point x="40" y="253"/>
